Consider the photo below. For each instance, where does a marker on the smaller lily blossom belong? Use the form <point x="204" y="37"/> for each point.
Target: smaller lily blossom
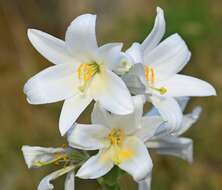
<point x="172" y="144"/>
<point x="119" y="139"/>
<point x="82" y="72"/>
<point x="157" y="64"/>
<point x="36" y="157"/>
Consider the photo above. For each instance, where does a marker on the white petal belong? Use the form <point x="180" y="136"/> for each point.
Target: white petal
<point x="111" y="92"/>
<point x="188" y="121"/>
<point x="183" y="101"/>
<point x="140" y="164"/>
<point x="89" y="137"/>
<point x="70" y="181"/>
<point x="100" y="115"/>
<point x="135" y="52"/>
<point x="131" y="122"/>
<point x="168" y="58"/>
<point x="182" y="85"/>
<point x="81" y="37"/>
<point x="110" y="55"/>
<point x="45" y="183"/>
<point x="180" y="147"/>
<point x="145" y="184"/>
<point x="135" y="79"/>
<point x="71" y="110"/>
<point x="53" y="84"/>
<point x="50" y="47"/>
<point x="170" y="111"/>
<point x="149" y="125"/>
<point x="96" y="166"/>
<point x="35" y="154"/>
<point x="156" y="34"/>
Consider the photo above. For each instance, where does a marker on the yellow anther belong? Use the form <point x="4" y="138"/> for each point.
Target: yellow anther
<point x="146" y="70"/>
<point x="79" y="71"/>
<point x="120" y="137"/>
<point x="149" y="74"/>
<point x="152" y="76"/>
<point x="90" y="72"/>
<point x="115" y="137"/>
<point x="85" y="72"/>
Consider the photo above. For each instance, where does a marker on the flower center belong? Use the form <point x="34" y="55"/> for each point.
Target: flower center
<point x="116" y="136"/>
<point x="118" y="153"/>
<point x="85" y="73"/>
<point x="150" y="78"/>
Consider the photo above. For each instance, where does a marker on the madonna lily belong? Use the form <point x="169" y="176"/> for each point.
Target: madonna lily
<point x="82" y="72"/>
<point x="36" y="156"/>
<point x="157" y="64"/>
<point x="172" y="144"/>
<point x="119" y="139"/>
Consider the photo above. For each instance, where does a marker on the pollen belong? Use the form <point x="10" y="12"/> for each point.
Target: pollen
<point x="149" y="74"/>
<point x="115" y="136"/>
<point x="85" y="73"/>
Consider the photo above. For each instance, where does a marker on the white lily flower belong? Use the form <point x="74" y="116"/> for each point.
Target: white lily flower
<point x="172" y="144"/>
<point x="119" y="139"/>
<point x="36" y="156"/>
<point x="82" y="72"/>
<point x="157" y="65"/>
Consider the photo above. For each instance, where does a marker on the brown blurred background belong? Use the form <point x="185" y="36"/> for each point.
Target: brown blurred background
<point x="199" y="22"/>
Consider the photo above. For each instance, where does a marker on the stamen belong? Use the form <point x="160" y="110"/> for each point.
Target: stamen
<point x="85" y="72"/>
<point x="152" y="75"/>
<point x="79" y="70"/>
<point x="115" y="137"/>
<point x="147" y="72"/>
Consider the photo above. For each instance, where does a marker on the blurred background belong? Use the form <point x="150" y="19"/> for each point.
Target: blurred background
<point x="200" y="24"/>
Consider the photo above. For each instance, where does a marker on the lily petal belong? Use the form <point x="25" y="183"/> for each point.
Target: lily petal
<point x="139" y="165"/>
<point x="183" y="101"/>
<point x="81" y="37"/>
<point x="71" y="110"/>
<point x="156" y="34"/>
<point x="145" y="184"/>
<point x="168" y="58"/>
<point x="100" y="115"/>
<point x="89" y="137"/>
<point x="149" y="127"/>
<point x="35" y="154"/>
<point x="53" y="84"/>
<point x="182" y="85"/>
<point x="135" y="79"/>
<point x="50" y="47"/>
<point x="170" y="111"/>
<point x="109" y="54"/>
<point x="45" y="183"/>
<point x="112" y="93"/>
<point x="135" y="52"/>
<point x="131" y="122"/>
<point x="70" y="181"/>
<point x="189" y="120"/>
<point x="96" y="166"/>
<point x="180" y="147"/>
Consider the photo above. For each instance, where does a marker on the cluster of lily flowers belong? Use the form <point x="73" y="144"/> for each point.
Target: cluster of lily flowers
<point x="119" y="84"/>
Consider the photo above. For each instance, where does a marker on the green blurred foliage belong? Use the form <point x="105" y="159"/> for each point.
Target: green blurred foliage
<point x="199" y="22"/>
